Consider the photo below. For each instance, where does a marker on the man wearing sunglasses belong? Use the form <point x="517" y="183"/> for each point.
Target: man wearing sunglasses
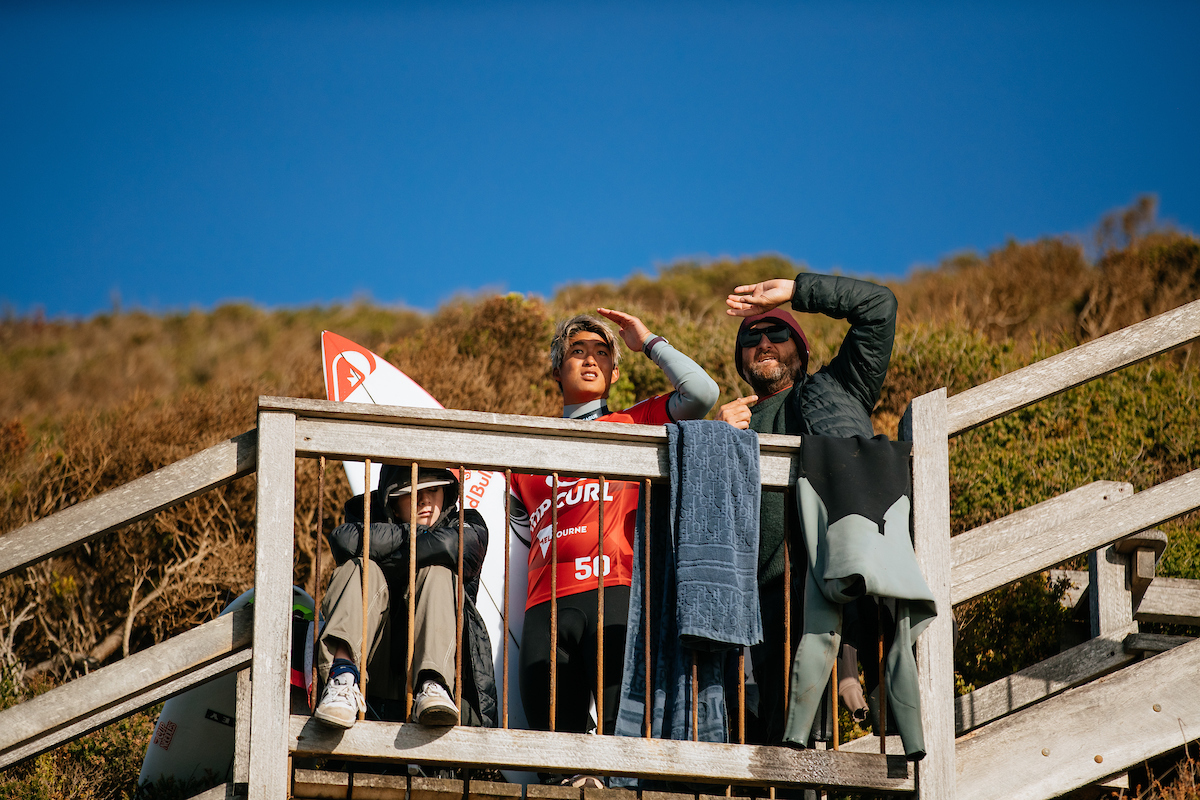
<point x="771" y="354"/>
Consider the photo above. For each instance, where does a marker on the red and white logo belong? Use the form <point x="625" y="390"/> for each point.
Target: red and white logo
<point x="347" y="365"/>
<point x="164" y="734"/>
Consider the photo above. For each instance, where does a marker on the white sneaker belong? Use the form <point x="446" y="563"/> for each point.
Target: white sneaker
<point x="434" y="706"/>
<point x="341" y="702"/>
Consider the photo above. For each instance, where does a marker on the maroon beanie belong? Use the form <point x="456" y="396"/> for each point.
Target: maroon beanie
<point x="781" y="316"/>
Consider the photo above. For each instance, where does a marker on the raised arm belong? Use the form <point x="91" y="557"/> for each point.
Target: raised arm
<point x="695" y="392"/>
<point x="862" y="361"/>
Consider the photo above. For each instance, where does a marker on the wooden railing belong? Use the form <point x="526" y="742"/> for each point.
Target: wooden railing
<point x="148" y="677"/>
<point x="291" y="428"/>
<point x="998" y="760"/>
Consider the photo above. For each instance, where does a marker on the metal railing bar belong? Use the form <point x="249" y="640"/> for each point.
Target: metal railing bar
<point x="459" y="600"/>
<point x="553" y="601"/>
<point x="504" y="628"/>
<point x="312" y="699"/>
<point x="409" y="678"/>
<point x="366" y="572"/>
<point x="600" y="614"/>
<point x="647" y="615"/>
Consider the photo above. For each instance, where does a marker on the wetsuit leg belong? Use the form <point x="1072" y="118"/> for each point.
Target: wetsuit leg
<point x="577" y="620"/>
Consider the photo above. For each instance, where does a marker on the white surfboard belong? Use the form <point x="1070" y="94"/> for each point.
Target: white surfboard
<point x="355" y="374"/>
<point x="192" y="748"/>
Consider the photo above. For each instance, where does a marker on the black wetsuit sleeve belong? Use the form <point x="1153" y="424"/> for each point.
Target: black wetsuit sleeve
<point x="435" y="546"/>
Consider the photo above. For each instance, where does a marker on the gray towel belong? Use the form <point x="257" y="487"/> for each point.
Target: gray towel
<point x="715" y="490"/>
<point x="671" y="714"/>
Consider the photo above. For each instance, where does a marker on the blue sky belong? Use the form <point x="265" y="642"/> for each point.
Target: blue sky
<point x="185" y="154"/>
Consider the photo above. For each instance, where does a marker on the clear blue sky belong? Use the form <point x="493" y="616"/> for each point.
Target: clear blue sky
<point x="291" y="153"/>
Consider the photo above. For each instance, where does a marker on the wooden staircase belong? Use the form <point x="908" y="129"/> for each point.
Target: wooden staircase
<point x="1081" y="717"/>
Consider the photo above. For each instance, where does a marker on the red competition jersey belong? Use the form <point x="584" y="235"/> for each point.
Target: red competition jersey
<point x="578" y="520"/>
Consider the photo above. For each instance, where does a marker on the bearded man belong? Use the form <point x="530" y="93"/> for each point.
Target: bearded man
<point x="771" y="354"/>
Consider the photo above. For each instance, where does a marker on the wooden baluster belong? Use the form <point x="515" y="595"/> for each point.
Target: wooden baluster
<point x="787" y="614"/>
<point x="742" y="696"/>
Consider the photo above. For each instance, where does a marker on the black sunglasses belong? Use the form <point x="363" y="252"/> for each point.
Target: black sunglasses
<point x="752" y="336"/>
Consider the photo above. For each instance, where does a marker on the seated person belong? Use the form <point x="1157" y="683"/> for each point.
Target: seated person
<point x="584" y="355"/>
<point x="338" y="650"/>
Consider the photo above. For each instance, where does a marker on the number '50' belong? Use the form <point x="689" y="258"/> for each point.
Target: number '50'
<point x="585" y="568"/>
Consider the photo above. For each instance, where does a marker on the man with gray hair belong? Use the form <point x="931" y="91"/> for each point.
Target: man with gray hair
<point x="584" y="358"/>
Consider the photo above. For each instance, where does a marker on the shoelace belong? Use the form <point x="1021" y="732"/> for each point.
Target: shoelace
<point x="348" y="693"/>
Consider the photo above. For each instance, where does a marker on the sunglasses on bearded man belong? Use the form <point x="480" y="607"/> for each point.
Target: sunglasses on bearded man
<point x="752" y="336"/>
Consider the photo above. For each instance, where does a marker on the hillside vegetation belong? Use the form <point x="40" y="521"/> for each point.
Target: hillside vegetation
<point x="89" y="405"/>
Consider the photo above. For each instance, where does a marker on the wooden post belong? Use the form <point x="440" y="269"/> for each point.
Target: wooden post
<point x="1110" y="595"/>
<point x="273" y="553"/>
<point x="1110" y="601"/>
<point x="241" y="732"/>
<point x="925" y="425"/>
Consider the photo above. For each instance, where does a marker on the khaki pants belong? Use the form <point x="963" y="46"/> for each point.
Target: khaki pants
<point x="434" y="626"/>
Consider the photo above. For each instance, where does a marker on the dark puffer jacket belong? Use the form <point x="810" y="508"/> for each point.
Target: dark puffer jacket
<point x="836" y="400"/>
<point x="437" y="545"/>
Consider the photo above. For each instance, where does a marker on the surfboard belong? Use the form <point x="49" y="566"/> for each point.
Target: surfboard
<point x="355" y="374"/>
<point x="192" y="747"/>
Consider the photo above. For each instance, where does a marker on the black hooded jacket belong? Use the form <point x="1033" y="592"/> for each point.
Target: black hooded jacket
<point x="437" y="545"/>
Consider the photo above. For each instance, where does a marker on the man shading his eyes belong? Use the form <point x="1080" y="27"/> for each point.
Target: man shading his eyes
<point x="771" y="354"/>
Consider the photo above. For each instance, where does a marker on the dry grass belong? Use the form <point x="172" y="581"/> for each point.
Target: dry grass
<point x="86" y="406"/>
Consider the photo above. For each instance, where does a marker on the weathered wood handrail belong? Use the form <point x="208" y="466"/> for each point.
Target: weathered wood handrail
<point x="136" y="500"/>
<point x="1172" y="600"/>
<point x="1071" y="739"/>
<point x="1028" y="523"/>
<point x="289" y="428"/>
<point x="1024" y="387"/>
<point x="720" y="764"/>
<point x="125" y="687"/>
<point x="1053" y="545"/>
<point x="449" y="438"/>
<point x="925" y="425"/>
